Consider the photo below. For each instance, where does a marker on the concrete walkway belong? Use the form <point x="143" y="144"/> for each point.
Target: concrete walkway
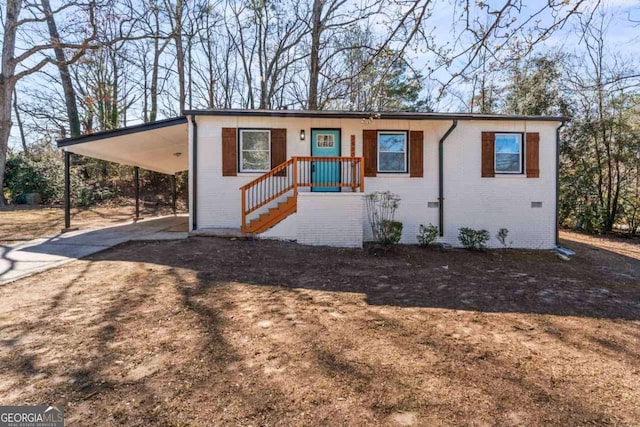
<point x="35" y="256"/>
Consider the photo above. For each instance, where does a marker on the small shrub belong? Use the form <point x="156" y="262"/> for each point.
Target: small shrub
<point x="381" y="210"/>
<point x="502" y="235"/>
<point x="392" y="234"/>
<point x="427" y="235"/>
<point x="473" y="239"/>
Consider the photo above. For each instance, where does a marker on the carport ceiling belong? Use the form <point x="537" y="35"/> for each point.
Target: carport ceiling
<point x="161" y="146"/>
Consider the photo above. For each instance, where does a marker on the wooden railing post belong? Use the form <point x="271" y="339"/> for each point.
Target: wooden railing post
<point x="354" y="165"/>
<point x="295" y="177"/>
<point x="362" y="174"/>
<point x="244" y="209"/>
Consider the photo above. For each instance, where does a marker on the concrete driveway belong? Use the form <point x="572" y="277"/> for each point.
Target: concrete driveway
<point x="35" y="256"/>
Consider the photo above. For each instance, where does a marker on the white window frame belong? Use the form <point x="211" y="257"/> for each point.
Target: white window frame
<point x="495" y="154"/>
<point x="242" y="150"/>
<point x="405" y="152"/>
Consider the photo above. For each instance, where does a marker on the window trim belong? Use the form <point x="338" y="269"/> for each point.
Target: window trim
<point x="495" y="153"/>
<point x="240" y="149"/>
<point x="406" y="150"/>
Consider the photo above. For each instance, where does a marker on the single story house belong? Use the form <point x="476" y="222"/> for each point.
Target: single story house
<point x="302" y="175"/>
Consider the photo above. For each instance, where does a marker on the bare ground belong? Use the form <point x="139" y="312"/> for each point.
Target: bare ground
<point x="230" y="332"/>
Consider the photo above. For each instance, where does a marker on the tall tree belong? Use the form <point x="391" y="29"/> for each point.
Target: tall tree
<point x="534" y="87"/>
<point x="32" y="59"/>
<point x="63" y="68"/>
<point x="600" y="145"/>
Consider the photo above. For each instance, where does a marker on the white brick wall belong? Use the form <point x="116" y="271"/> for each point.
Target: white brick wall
<point x="470" y="200"/>
<point x="330" y="219"/>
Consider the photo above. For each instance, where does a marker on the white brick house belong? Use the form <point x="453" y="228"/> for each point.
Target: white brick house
<point x="303" y="174"/>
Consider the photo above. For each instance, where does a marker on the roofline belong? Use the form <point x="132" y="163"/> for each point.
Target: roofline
<point x="65" y="142"/>
<point x="400" y="115"/>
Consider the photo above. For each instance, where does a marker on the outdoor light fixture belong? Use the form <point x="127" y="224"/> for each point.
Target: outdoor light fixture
<point x="302" y="135"/>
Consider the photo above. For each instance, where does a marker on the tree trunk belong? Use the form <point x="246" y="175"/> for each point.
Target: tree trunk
<point x="314" y="69"/>
<point x="115" y="89"/>
<point x="63" y="69"/>
<point x="7" y="84"/>
<point x="177" y="34"/>
<point x="154" y="81"/>
<point x="23" y="140"/>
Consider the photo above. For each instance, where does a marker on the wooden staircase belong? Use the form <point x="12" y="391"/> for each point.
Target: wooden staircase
<point x="280" y="185"/>
<point x="272" y="216"/>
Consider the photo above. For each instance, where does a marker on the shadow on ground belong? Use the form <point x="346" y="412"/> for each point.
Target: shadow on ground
<point x="602" y="285"/>
<point x="240" y="332"/>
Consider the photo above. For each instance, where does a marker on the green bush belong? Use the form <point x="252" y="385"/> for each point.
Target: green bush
<point x="473" y="239"/>
<point x="44" y="175"/>
<point x="427" y="235"/>
<point x="392" y="233"/>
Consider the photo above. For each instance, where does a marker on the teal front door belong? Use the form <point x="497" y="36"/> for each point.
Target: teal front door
<point x="325" y="143"/>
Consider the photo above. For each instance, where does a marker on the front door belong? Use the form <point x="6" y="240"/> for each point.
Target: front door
<point x="325" y="143"/>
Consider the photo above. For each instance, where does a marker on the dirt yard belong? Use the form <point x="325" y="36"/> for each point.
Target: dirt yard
<point x="211" y="331"/>
<point x="21" y="222"/>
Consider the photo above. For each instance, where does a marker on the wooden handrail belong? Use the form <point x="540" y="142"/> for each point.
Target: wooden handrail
<point x="289" y="176"/>
<point x="266" y="175"/>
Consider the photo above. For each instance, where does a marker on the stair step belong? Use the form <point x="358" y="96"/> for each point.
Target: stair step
<point x="273" y="216"/>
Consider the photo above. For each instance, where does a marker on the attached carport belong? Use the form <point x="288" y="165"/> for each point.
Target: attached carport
<point x="160" y="146"/>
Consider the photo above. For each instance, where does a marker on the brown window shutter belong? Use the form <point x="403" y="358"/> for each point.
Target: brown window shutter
<point x="488" y="154"/>
<point x="229" y="152"/>
<point x="416" y="154"/>
<point x="533" y="156"/>
<point x="370" y="152"/>
<point x="279" y="149"/>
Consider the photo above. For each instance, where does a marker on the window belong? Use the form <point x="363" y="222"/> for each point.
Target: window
<point x="508" y="157"/>
<point x="392" y="152"/>
<point x="255" y="150"/>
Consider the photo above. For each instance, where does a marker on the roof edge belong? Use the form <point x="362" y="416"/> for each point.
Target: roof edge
<point x="401" y="115"/>
<point x="65" y="142"/>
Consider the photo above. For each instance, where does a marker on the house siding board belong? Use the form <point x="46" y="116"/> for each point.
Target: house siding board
<point x="469" y="200"/>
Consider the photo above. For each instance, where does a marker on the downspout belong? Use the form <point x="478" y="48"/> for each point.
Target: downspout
<point x="558" y="182"/>
<point x="194" y="174"/>
<point x="441" y="177"/>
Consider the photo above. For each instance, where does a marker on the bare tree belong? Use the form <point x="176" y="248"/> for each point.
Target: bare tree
<point x="17" y="65"/>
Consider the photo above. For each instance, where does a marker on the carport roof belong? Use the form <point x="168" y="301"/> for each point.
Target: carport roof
<point x="160" y="146"/>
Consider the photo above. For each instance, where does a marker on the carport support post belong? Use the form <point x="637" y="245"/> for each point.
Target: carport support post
<point x="67" y="191"/>
<point x="136" y="175"/>
<point x="173" y="193"/>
